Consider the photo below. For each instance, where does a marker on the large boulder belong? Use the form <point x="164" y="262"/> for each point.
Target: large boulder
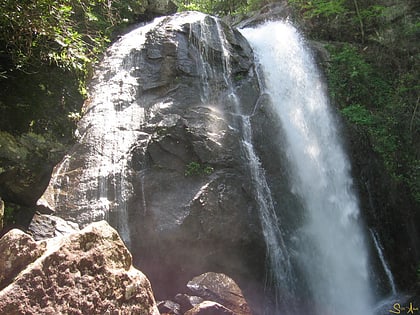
<point x="89" y="272"/>
<point x="160" y="153"/>
<point x="220" y="288"/>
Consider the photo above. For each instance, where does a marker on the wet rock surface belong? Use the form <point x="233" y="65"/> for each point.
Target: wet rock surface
<point x="166" y="167"/>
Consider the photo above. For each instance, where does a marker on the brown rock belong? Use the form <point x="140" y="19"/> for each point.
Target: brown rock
<point x="220" y="288"/>
<point x="17" y="250"/>
<point x="89" y="272"/>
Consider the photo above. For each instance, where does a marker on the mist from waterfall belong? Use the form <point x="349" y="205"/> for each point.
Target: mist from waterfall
<point x="329" y="247"/>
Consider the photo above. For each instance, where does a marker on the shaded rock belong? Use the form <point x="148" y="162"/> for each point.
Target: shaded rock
<point x="187" y="302"/>
<point x="89" y="272"/>
<point x="24" y="170"/>
<point x="169" y="307"/>
<point x="220" y="288"/>
<point x="209" y="308"/>
<point x="274" y="11"/>
<point x="45" y="226"/>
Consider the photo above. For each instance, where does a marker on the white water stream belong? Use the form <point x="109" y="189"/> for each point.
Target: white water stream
<point x="330" y="245"/>
<point x="385" y="266"/>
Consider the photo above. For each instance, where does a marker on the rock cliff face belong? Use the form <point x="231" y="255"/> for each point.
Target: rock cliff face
<point x="159" y="152"/>
<point x="81" y="273"/>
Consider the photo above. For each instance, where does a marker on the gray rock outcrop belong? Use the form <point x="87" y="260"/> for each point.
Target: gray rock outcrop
<point x="44" y="226"/>
<point x="89" y="272"/>
<point x="160" y="153"/>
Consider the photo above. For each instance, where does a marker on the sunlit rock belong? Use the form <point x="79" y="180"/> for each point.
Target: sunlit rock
<point x="18" y="250"/>
<point x="88" y="272"/>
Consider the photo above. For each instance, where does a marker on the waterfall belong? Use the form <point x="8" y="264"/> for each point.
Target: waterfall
<point x="280" y="273"/>
<point x="387" y="270"/>
<point x="329" y="246"/>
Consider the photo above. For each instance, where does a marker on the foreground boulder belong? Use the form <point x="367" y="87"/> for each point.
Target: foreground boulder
<point x="89" y="272"/>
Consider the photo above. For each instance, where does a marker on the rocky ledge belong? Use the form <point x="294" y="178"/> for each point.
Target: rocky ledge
<point x="90" y="272"/>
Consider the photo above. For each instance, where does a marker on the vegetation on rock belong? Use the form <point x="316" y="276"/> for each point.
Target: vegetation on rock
<point x="222" y="7"/>
<point x="197" y="169"/>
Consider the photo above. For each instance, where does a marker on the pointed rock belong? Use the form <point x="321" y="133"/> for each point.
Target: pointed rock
<point x="220" y="288"/>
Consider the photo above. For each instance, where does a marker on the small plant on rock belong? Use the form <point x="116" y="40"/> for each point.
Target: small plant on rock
<point x="197" y="169"/>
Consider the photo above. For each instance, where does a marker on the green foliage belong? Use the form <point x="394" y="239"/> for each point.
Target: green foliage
<point x="319" y="8"/>
<point x="215" y="7"/>
<point x="9" y="215"/>
<point x="358" y="115"/>
<point x="68" y="33"/>
<point x="48" y="49"/>
<point x="197" y="169"/>
<point x="353" y="79"/>
<point x="351" y="20"/>
<point x="383" y="106"/>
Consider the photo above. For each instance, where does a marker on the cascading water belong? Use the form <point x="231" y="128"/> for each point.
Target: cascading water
<point x="279" y="266"/>
<point x="329" y="247"/>
<point x="385" y="266"/>
<point x="108" y="133"/>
